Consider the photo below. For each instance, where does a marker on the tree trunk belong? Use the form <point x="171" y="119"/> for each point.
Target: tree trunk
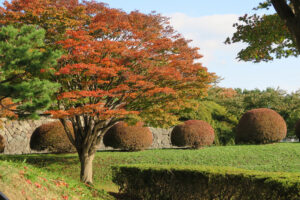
<point x="86" y="172"/>
<point x="297" y="34"/>
<point x="291" y="17"/>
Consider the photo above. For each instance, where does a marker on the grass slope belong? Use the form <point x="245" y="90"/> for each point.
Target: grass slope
<point x="20" y="181"/>
<point x="281" y="157"/>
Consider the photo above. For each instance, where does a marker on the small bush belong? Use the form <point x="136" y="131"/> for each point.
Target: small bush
<point x="216" y="115"/>
<point x="130" y="138"/>
<point x="53" y="137"/>
<point x="149" y="182"/>
<point x="261" y="126"/>
<point x="297" y="129"/>
<point x="2" y="144"/>
<point x="193" y="133"/>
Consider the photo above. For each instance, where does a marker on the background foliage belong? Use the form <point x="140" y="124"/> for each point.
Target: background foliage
<point x="238" y="101"/>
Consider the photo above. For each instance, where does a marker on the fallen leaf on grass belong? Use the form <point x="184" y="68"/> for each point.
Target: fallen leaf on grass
<point x="37" y="185"/>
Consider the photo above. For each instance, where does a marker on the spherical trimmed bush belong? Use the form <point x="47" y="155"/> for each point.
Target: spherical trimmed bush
<point x="260" y="126"/>
<point x="2" y="144"/>
<point x="193" y="133"/>
<point x="130" y="138"/>
<point x="53" y="137"/>
<point x="297" y="129"/>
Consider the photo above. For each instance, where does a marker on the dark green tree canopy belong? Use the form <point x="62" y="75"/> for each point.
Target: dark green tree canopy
<point x="25" y="66"/>
<point x="269" y="36"/>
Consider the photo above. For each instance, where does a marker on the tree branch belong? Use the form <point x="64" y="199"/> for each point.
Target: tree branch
<point x="12" y="78"/>
<point x="292" y="21"/>
<point x="282" y="8"/>
<point x="69" y="134"/>
<point x="296" y="8"/>
<point x="79" y="124"/>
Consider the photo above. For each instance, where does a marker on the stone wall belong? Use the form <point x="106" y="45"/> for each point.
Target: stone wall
<point x="161" y="138"/>
<point x="17" y="136"/>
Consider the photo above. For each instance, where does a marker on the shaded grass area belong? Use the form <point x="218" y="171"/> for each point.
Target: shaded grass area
<point x="280" y="157"/>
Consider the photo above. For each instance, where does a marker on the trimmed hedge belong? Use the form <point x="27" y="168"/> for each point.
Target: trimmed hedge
<point x="129" y="138"/>
<point x="152" y="182"/>
<point x="2" y="144"/>
<point x="53" y="137"/>
<point x="260" y="126"/>
<point x="297" y="129"/>
<point x="193" y="133"/>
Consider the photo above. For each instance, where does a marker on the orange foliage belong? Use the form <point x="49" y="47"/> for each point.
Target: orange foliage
<point x="227" y="92"/>
<point x="7" y="107"/>
<point x="128" y="57"/>
<point x="55" y="16"/>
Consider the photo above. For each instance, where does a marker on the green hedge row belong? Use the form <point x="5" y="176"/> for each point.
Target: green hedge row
<point x="200" y="182"/>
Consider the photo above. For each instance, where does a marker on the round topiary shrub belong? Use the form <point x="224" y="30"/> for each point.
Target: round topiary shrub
<point x="260" y="126"/>
<point x="129" y="138"/>
<point x="297" y="129"/>
<point x="2" y="144"/>
<point x="193" y="133"/>
<point x="53" y="137"/>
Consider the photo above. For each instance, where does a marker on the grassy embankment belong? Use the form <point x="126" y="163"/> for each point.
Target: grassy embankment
<point x="57" y="175"/>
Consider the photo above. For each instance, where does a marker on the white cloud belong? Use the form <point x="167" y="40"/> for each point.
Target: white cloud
<point x="213" y="24"/>
<point x="207" y="32"/>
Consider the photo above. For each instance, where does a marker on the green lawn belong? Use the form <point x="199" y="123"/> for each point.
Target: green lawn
<point x="283" y="157"/>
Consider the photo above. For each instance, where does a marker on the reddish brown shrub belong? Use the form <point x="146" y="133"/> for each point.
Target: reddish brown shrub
<point x="2" y="144"/>
<point x="130" y="138"/>
<point x="193" y="133"/>
<point x="297" y="129"/>
<point x="260" y="126"/>
<point x="53" y="137"/>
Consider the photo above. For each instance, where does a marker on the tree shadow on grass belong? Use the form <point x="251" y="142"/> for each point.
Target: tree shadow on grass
<point x="42" y="160"/>
<point x="121" y="196"/>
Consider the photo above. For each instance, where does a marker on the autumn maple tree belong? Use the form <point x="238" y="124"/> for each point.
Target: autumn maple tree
<point x="269" y="36"/>
<point x="116" y="67"/>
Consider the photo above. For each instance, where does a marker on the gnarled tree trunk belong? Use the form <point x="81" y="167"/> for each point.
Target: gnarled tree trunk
<point x="86" y="138"/>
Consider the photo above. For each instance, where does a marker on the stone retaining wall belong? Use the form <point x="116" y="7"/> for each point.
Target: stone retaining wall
<point x="17" y="136"/>
<point x="161" y="138"/>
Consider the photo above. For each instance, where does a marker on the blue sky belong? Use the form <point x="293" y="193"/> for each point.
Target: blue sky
<point x="208" y="23"/>
<point x="193" y="8"/>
